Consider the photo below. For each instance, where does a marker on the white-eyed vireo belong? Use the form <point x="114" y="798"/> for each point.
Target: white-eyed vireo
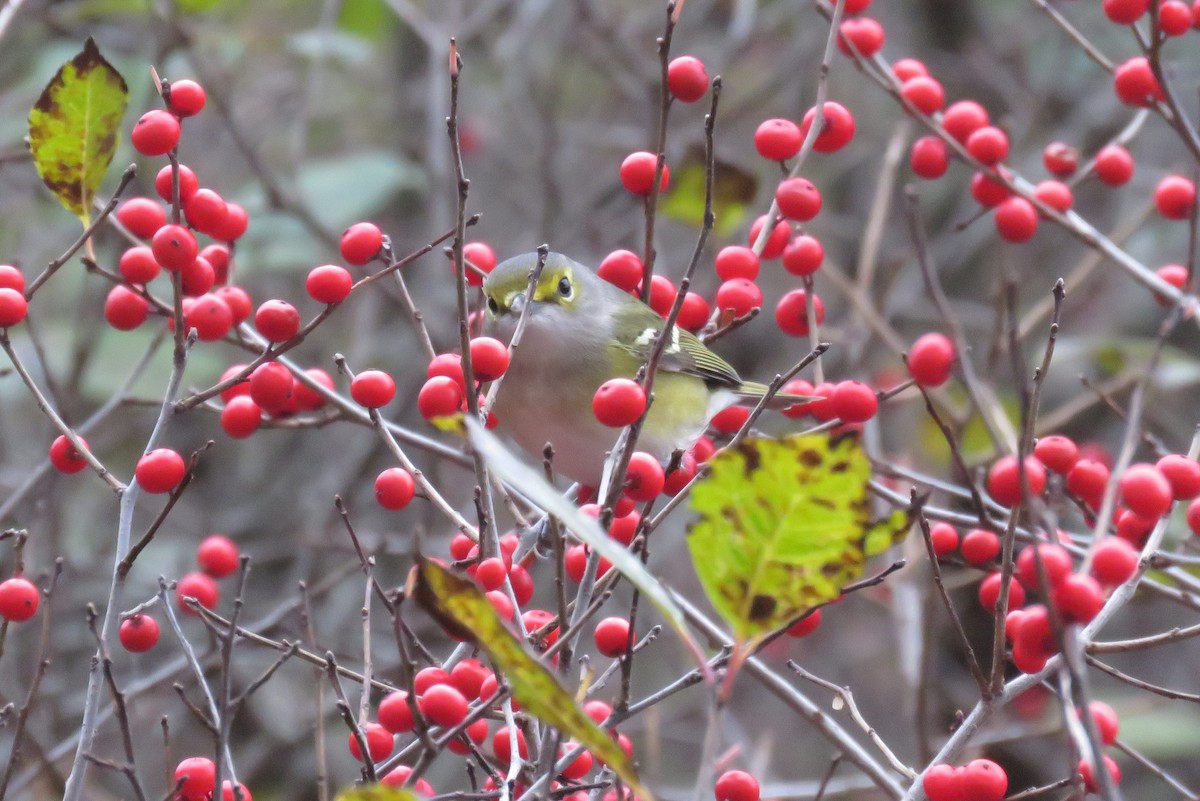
<point x="580" y="332"/>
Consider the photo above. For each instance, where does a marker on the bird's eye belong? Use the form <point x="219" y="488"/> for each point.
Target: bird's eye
<point x="564" y="287"/>
<point x="493" y="305"/>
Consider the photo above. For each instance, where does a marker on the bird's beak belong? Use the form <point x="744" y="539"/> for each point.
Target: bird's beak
<point x="517" y="303"/>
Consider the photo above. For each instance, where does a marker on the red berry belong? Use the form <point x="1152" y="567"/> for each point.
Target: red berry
<point x="271" y="386"/>
<point x="1060" y="159"/>
<point x="1016" y="219"/>
<point x="125" y="309"/>
<point x="449" y="365"/>
<point x="1174" y="274"/>
<point x="200" y="586"/>
<point x="1089" y="776"/>
<point x="1079" y="598"/>
<point x="188" y="183"/>
<point x="394" y="488"/>
<point x="174" y="247"/>
<point x="160" y="470"/>
<point x="482" y="258"/>
<point x="277" y="320"/>
<point x="443" y="705"/>
<point x="187" y="97"/>
<point x="791" y="313"/>
<point x="502" y="745"/>
<point x="1055" y="194"/>
<point x="908" y="68"/>
<point x="612" y="636"/>
<point x="138" y="633"/>
<point x="803" y="255"/>
<point x="736" y="261"/>
<point x="490" y="574"/>
<point x="64" y="457"/>
<point x="924" y="93"/>
<point x="1004" y="479"/>
<point x="987" y="191"/>
<point x="619" y="402"/>
<point x="156" y="133"/>
<point x="662" y="295"/>
<point x="142" y="216"/>
<point x="928" y="158"/>
<point x="241" y="417"/>
<point x="837" y="127"/>
<point x="579" y="767"/>
<point x="234" y="224"/>
<point x="467" y="677"/>
<point x="1174" y="17"/>
<point x="736" y="785"/>
<point x="1125" y="12"/>
<point x="361" y="243"/>
<point x="399" y="778"/>
<point x="989" y="592"/>
<point x="1108" y="725"/>
<point x="138" y="265"/>
<point x="930" y="359"/>
<point x="439" y="397"/>
<point x="1087" y="480"/>
<point x="19" y="599"/>
<point x="199" y="776"/>
<point x="1175" y="197"/>
<point x="11" y="278"/>
<point x="778" y="139"/>
<point x="988" y="145"/>
<point x="372" y="389"/>
<point x="379" y="743"/>
<point x="644" y="479"/>
<point x="798" y="199"/>
<point x="1057" y="452"/>
<point x="864" y="33"/>
<point x="228" y="793"/>
<point x="980" y="547"/>
<point x="687" y="79"/>
<point x="1114" y="165"/>
<point x="637" y="173"/>
<point x="206" y="211"/>
<point x="198" y="277"/>
<point x="489" y="358"/>
<point x="963" y="118"/>
<point x="1135" y="84"/>
<point x="944" y="538"/>
<point x="943" y="783"/>
<point x="739" y="296"/>
<point x="983" y="780"/>
<point x="777" y="240"/>
<point x="1114" y="561"/>
<point x="694" y="313"/>
<point x="805" y="625"/>
<point x="329" y="283"/>
<point x="427" y="677"/>
<point x="1055" y="563"/>
<point x="854" y="402"/>
<point x="394" y="713"/>
<point x="1182" y="473"/>
<point x="217" y="556"/>
<point x="1146" y="491"/>
<point x="210" y="316"/>
<point x="730" y="420"/>
<point x="622" y="268"/>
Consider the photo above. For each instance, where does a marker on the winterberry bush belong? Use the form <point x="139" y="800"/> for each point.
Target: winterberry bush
<point x="263" y="535"/>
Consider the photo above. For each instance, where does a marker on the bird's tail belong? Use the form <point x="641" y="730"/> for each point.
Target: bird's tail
<point x="751" y="392"/>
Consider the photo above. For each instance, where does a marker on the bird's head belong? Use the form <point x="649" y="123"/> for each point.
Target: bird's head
<point x="562" y="287"/>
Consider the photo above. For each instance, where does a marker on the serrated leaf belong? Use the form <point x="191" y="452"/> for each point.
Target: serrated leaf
<point x="784" y="525"/>
<point x="460" y="606"/>
<point x="377" y="792"/>
<point x="74" y="126"/>
<point x="733" y="190"/>
<point x="534" y="486"/>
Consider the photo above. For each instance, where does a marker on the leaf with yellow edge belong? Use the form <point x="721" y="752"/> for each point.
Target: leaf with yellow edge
<point x="73" y="128"/>
<point x="377" y="792"/>
<point x="459" y="606"/>
<point x="784" y="525"/>
<point x="734" y="189"/>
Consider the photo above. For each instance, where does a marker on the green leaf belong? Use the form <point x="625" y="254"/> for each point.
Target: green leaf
<point x="460" y="607"/>
<point x="733" y="190"/>
<point x="73" y="128"/>
<point x="369" y="19"/>
<point x="784" y="525"/>
<point x="534" y="486"/>
<point x="377" y="792"/>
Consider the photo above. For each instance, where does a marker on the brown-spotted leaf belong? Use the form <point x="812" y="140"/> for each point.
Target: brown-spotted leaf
<point x="784" y="525"/>
<point x="459" y="606"/>
<point x="73" y="128"/>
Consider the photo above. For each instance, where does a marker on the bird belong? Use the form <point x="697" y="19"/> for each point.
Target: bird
<point x="581" y="331"/>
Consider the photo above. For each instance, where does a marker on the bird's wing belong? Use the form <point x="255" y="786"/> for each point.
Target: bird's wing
<point x="684" y="353"/>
